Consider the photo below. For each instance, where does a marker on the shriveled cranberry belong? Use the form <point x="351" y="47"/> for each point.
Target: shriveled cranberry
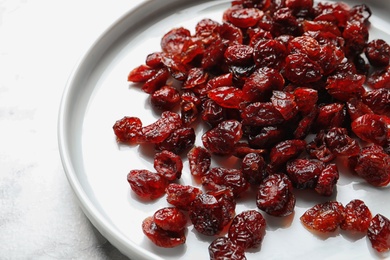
<point x="379" y="79"/>
<point x="360" y="13"/>
<point x="284" y="151"/>
<point x="373" y="165"/>
<point x="161" y="237"/>
<point x="300" y="69"/>
<point x="172" y="41"/>
<point x="239" y="54"/>
<point x="189" y="107"/>
<point x="227" y="201"/>
<point x="267" y="137"/>
<point x="260" y="84"/>
<point x="195" y="77"/>
<point x="274" y="195"/>
<point x="247" y="229"/>
<point x="305" y="124"/>
<point x="219" y="178"/>
<point x="327" y="180"/>
<point x="305" y="45"/>
<point x="357" y="216"/>
<point x="304" y="172"/>
<point x="181" y="196"/>
<point x="199" y="160"/>
<point x="146" y="184"/>
<point x="245" y="17"/>
<point x="332" y="115"/>
<point x="345" y="86"/>
<point x="241" y="149"/>
<point x="324" y="217"/>
<point x="165" y="98"/>
<point x="340" y="143"/>
<point x="170" y="219"/>
<point x="161" y="128"/>
<point x="318" y="148"/>
<point x="206" y="215"/>
<point x="231" y="34"/>
<point x="222" y="138"/>
<point x="261" y="114"/>
<point x="371" y="128"/>
<point x="253" y="168"/>
<point x="330" y="57"/>
<point x="284" y="22"/>
<point x="168" y="164"/>
<point x="337" y="13"/>
<point x="228" y="97"/>
<point x="379" y="233"/>
<point x="306" y="99"/>
<point x="378" y="100"/>
<point x="141" y="73"/>
<point x="356" y="36"/>
<point x="212" y="113"/>
<point x="285" y="103"/>
<point x="157" y="81"/>
<point x="356" y="108"/>
<point x="224" y="248"/>
<point x="299" y="4"/>
<point x="178" y="141"/>
<point x="128" y="129"/>
<point x="269" y="53"/>
<point x="175" y="67"/>
<point x="378" y="53"/>
<point x="154" y="60"/>
<point x="213" y="55"/>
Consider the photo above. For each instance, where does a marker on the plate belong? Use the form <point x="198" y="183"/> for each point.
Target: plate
<point x="98" y="94"/>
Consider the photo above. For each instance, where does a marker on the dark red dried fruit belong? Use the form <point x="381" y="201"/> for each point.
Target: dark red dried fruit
<point x="168" y="165"/>
<point x="220" y="178"/>
<point x="253" y="168"/>
<point x="161" y="237"/>
<point x="195" y="78"/>
<point x="285" y="103"/>
<point x="378" y="100"/>
<point x="222" y="138"/>
<point x="178" y="141"/>
<point x="306" y="99"/>
<point x="304" y="172"/>
<point x="199" y="160"/>
<point x="228" y="97"/>
<point x="227" y="201"/>
<point x="379" y="79"/>
<point x="345" y="86"/>
<point x="261" y="114"/>
<point x="378" y="53"/>
<point x="239" y="54"/>
<point x="300" y="69"/>
<point x="332" y="115"/>
<point x="371" y="128"/>
<point x="170" y="219"/>
<point x="128" y="129"/>
<point x="161" y="129"/>
<point x="247" y="229"/>
<point x="224" y="248"/>
<point x="327" y="180"/>
<point x="357" y="216"/>
<point x="165" y="98"/>
<point x="324" y="217"/>
<point x="172" y="41"/>
<point x="141" y="73"/>
<point x="284" y="151"/>
<point x="146" y="184"/>
<point x="275" y="197"/>
<point x="373" y="165"/>
<point x="206" y="215"/>
<point x="181" y="196"/>
<point x="340" y="143"/>
<point x="269" y="53"/>
<point x="379" y="233"/>
<point x="245" y="17"/>
<point x="157" y="81"/>
<point x="267" y="137"/>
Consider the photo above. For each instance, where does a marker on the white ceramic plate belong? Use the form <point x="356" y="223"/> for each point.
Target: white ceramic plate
<point x="98" y="94"/>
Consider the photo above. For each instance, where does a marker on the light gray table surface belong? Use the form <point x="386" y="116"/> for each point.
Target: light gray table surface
<point x="40" y="43"/>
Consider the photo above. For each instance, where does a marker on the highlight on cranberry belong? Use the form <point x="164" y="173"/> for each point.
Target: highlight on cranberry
<point x="285" y="87"/>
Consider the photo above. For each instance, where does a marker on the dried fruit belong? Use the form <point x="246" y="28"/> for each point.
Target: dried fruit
<point x="224" y="248"/>
<point x="146" y="184"/>
<point x="379" y="233"/>
<point x="324" y="217"/>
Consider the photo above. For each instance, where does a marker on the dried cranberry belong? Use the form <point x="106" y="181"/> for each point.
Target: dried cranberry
<point x="165" y="98"/>
<point x="340" y="143"/>
<point x="327" y="180"/>
<point x="170" y="219"/>
<point x="220" y="178"/>
<point x="356" y="108"/>
<point x="146" y="184"/>
<point x="239" y="54"/>
<point x="199" y="160"/>
<point x="247" y="229"/>
<point x="373" y="165"/>
<point x="196" y="77"/>
<point x="379" y="233"/>
<point x="357" y="216"/>
<point x="378" y="53"/>
<point x="285" y="103"/>
<point x="172" y="41"/>
<point x="345" y="86"/>
<point x="261" y="114"/>
<point x="324" y="217"/>
<point x="267" y="137"/>
<point x="178" y="141"/>
<point x="274" y="195"/>
<point x="269" y="53"/>
<point x="245" y="17"/>
<point x="128" y="129"/>
<point x="332" y="115"/>
<point x="222" y="138"/>
<point x="141" y="73"/>
<point x="300" y="69"/>
<point x="212" y="113"/>
<point x="304" y="172"/>
<point x="306" y="99"/>
<point x="161" y="237"/>
<point x="206" y="215"/>
<point x="181" y="196"/>
<point x="224" y="248"/>
<point x="228" y="97"/>
<point x="253" y="168"/>
<point x="157" y="81"/>
<point x="168" y="165"/>
<point x="379" y="79"/>
<point x="162" y="128"/>
<point x="227" y="201"/>
<point x="318" y="148"/>
<point x="371" y="128"/>
<point x="378" y="100"/>
<point x="284" y="151"/>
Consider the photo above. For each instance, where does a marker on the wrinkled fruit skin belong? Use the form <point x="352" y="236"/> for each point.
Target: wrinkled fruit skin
<point x="357" y="217"/>
<point x="324" y="217"/>
<point x="146" y="184"/>
<point x="379" y="233"/>
<point x="224" y="248"/>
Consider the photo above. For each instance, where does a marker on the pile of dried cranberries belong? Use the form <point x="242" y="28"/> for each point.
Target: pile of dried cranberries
<point x="287" y="87"/>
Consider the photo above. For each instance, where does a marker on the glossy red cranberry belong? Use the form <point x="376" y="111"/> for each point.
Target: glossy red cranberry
<point x="181" y="196"/>
<point x="128" y="129"/>
<point x="146" y="184"/>
<point x="324" y="217"/>
<point x="379" y="233"/>
<point x="168" y="164"/>
<point x="224" y="248"/>
<point x="357" y="216"/>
